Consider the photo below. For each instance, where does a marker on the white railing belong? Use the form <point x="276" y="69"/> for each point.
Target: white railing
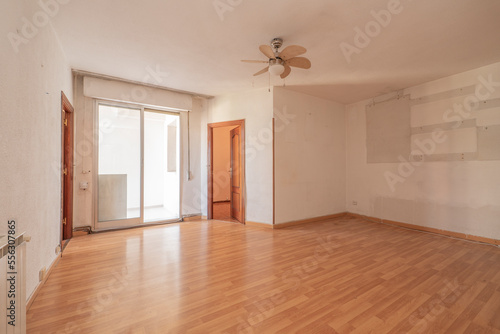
<point x="13" y="282"/>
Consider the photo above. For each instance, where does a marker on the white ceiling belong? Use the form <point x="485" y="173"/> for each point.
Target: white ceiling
<point x="194" y="50"/>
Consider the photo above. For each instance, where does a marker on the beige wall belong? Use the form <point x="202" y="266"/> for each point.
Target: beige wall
<point x="459" y="196"/>
<point x="310" y="156"/>
<point x="30" y="135"/>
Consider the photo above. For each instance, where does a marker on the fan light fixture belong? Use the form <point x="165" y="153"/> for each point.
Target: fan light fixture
<point x="276" y="66"/>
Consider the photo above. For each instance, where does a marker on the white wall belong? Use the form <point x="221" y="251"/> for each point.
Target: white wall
<point x="256" y="107"/>
<point x="459" y="196"/>
<point x="84" y="150"/>
<point x="84" y="154"/>
<point x="30" y="135"/>
<point x="192" y="189"/>
<point x="310" y="156"/>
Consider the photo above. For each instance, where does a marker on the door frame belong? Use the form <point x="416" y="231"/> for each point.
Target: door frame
<point x="232" y="149"/>
<point x="67" y="159"/>
<point x="210" y="169"/>
<point x="125" y="222"/>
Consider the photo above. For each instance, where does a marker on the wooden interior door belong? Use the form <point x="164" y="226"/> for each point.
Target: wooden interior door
<point x="236" y="193"/>
<point x="67" y="168"/>
<point x="239" y="208"/>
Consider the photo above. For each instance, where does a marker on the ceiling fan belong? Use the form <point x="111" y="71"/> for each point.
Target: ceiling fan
<point x="280" y="63"/>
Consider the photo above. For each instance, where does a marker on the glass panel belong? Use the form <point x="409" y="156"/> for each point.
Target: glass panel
<point x="119" y="163"/>
<point x="161" y="166"/>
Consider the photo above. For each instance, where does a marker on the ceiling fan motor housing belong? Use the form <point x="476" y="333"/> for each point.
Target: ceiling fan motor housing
<point x="276" y="43"/>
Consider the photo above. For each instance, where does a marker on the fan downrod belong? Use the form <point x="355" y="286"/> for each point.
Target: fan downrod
<point x="276" y="43"/>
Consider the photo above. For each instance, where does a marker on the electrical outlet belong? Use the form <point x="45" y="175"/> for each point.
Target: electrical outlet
<point x="354" y="203"/>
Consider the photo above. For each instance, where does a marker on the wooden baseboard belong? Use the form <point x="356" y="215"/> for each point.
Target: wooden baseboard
<point x="447" y="233"/>
<point x="357" y="215"/>
<point x="32" y="298"/>
<point x="192" y="218"/>
<point x="264" y="225"/>
<point x="309" y="220"/>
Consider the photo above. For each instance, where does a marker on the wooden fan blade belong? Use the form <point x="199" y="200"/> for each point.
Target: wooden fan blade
<point x="261" y="71"/>
<point x="256" y="61"/>
<point x="287" y="71"/>
<point x="267" y="51"/>
<point x="300" y="62"/>
<point x="292" y="51"/>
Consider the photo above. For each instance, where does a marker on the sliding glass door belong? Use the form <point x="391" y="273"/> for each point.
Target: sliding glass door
<point x="138" y="158"/>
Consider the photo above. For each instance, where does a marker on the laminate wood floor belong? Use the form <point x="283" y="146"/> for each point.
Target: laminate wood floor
<point x="341" y="276"/>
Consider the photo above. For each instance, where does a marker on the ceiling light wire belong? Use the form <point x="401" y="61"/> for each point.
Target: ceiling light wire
<point x="269" y="81"/>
